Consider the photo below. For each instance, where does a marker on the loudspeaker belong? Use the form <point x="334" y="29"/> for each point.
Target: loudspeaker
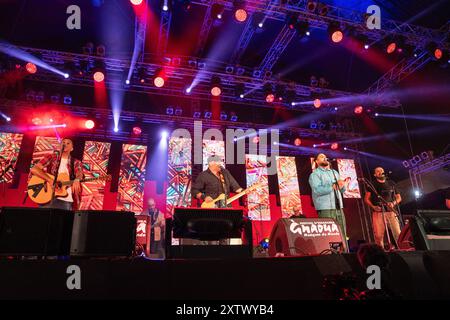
<point x="303" y="237"/>
<point x="35" y="231"/>
<point x="430" y="230"/>
<point x="103" y="233"/>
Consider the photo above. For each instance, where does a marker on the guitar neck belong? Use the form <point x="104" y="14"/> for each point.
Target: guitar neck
<point x="70" y="182"/>
<point x="237" y="196"/>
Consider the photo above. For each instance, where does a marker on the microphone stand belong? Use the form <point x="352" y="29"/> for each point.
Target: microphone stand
<point x="338" y="191"/>
<point x="397" y="207"/>
<point x="55" y="180"/>
<point x="384" y="203"/>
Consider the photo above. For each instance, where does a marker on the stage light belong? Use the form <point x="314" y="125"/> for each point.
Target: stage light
<point x="240" y="14"/>
<point x="142" y="74"/>
<point x="36" y="121"/>
<point x="239" y="90"/>
<point x="207" y="114"/>
<point x="270" y="98"/>
<point x="314" y="145"/>
<point x="223" y="116"/>
<point x="31" y="68"/>
<point x="89" y="124"/>
<point x="169" y="111"/>
<point x="136" y="2"/>
<point x="334" y="146"/>
<point x="345" y="148"/>
<point x="8" y="119"/>
<point x="137" y="131"/>
<point x="317" y="103"/>
<point x="302" y="28"/>
<point x="235" y="139"/>
<point x="291" y="21"/>
<point x="417" y="193"/>
<point x="377" y="114"/>
<point x="255" y="140"/>
<point x="297" y="142"/>
<point x="241" y="96"/>
<point x="335" y="32"/>
<point x="260" y="24"/>
<point x="366" y="46"/>
<point x="99" y="76"/>
<point x="188" y="90"/>
<point x="158" y="82"/>
<point x="67" y="99"/>
<point x="311" y="6"/>
<point x="268" y="93"/>
<point x="391" y="47"/>
<point x="116" y="129"/>
<point x="216" y="91"/>
<point x="358" y="109"/>
<point x="164" y="134"/>
<point x="216" y="86"/>
<point x="264" y="243"/>
<point x="217" y="11"/>
<point x="127" y="81"/>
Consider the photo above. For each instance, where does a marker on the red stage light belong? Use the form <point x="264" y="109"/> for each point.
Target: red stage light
<point x="89" y="124"/>
<point x="159" y="82"/>
<point x="137" y="131"/>
<point x="256" y="139"/>
<point x="337" y="36"/>
<point x="31" y="68"/>
<point x="438" y="53"/>
<point x="391" y="47"/>
<point x="136" y="2"/>
<point x="358" y="109"/>
<point x="270" y="98"/>
<point x="99" y="76"/>
<point x="241" y="15"/>
<point x="216" y="91"/>
<point x="297" y="142"/>
<point x="317" y="103"/>
<point x="334" y="146"/>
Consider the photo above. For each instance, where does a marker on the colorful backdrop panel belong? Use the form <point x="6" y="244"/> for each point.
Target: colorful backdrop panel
<point x="179" y="173"/>
<point x="9" y="153"/>
<point x="44" y="146"/>
<point x="130" y="196"/>
<point x="258" y="199"/>
<point x="288" y="185"/>
<point x="95" y="164"/>
<point x="347" y="172"/>
<point x="213" y="148"/>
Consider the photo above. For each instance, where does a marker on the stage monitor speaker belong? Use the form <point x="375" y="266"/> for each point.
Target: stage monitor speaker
<point x="303" y="237"/>
<point x="103" y="233"/>
<point x="430" y="230"/>
<point x="35" y="231"/>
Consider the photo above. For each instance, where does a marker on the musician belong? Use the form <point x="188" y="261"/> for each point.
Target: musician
<point x="327" y="189"/>
<point x="69" y="165"/>
<point x="386" y="189"/>
<point x="157" y="229"/>
<point x="214" y="181"/>
<point x="297" y="212"/>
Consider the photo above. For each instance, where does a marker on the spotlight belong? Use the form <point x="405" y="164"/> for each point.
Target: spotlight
<point x="89" y="124"/>
<point x="417" y="193"/>
<point x="376" y="114"/>
<point x="255" y="140"/>
<point x="335" y="32"/>
<point x="8" y="119"/>
<point x="334" y="146"/>
<point x="268" y="93"/>
<point x="223" y="116"/>
<point x="291" y="21"/>
<point x="434" y="51"/>
<point x="390" y="48"/>
<point x="99" y="76"/>
<point x="164" y="134"/>
<point x="31" y="68"/>
<point x="188" y="90"/>
<point x="186" y="4"/>
<point x="36" y="121"/>
<point x="264" y="243"/>
<point x="233" y="117"/>
<point x="216" y="86"/>
<point x="136" y="2"/>
<point x="142" y="74"/>
<point x="366" y="46"/>
<point x="241" y="96"/>
<point x="137" y="131"/>
<point x="317" y="103"/>
<point x="127" y="81"/>
<point x="240" y="14"/>
<point x="345" y="148"/>
<point x="158" y="82"/>
<point x="169" y="110"/>
<point x="239" y="90"/>
<point x="207" y="115"/>
<point x="217" y="11"/>
<point x="297" y="142"/>
<point x="197" y="114"/>
<point x="322" y="9"/>
<point x="302" y="28"/>
<point x="258" y="19"/>
<point x="116" y="129"/>
<point x="358" y="109"/>
<point x="311" y="6"/>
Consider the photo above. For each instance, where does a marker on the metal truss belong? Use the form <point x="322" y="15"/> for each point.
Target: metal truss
<point x="139" y="33"/>
<point x="276" y="50"/>
<point x="204" y="31"/>
<point x="396" y="74"/>
<point x="181" y="75"/>
<point x="415" y="174"/>
<point x="244" y="40"/>
<point x="164" y="29"/>
<point x="416" y="36"/>
<point x="174" y="122"/>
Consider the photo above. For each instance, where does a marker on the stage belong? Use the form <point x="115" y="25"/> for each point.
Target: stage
<point x="413" y="275"/>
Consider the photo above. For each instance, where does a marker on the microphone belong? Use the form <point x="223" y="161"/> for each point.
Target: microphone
<point x="384" y="174"/>
<point x="331" y="159"/>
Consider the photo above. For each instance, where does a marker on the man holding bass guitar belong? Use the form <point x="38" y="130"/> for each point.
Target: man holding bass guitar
<point x="213" y="182"/>
<point x="68" y="165"/>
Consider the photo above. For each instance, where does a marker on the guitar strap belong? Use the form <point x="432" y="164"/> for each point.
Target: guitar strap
<point x="72" y="168"/>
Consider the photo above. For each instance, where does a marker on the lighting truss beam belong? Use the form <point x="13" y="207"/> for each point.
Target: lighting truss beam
<point x="164" y="29"/>
<point x="204" y="31"/>
<point x="139" y="35"/>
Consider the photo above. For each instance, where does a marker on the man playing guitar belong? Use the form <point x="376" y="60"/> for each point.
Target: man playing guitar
<point x="68" y="165"/>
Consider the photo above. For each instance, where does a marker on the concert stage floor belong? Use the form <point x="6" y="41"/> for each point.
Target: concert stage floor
<point x="415" y="275"/>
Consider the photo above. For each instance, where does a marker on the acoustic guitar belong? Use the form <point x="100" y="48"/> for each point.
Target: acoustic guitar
<point x="41" y="192"/>
<point x="212" y="204"/>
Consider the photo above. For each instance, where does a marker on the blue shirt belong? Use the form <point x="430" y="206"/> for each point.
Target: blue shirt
<point x="323" y="195"/>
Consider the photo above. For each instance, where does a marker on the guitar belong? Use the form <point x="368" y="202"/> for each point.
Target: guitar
<point x="212" y="204"/>
<point x="41" y="192"/>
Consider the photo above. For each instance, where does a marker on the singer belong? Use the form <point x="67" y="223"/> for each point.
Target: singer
<point x="67" y="164"/>
<point x="390" y="199"/>
<point x="327" y="189"/>
<point x="214" y="181"/>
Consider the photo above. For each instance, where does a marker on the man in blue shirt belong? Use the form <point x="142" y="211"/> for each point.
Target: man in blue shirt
<point x="327" y="189"/>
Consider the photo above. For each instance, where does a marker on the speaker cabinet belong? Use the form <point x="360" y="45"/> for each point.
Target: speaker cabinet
<point x="103" y="233"/>
<point x="35" y="231"/>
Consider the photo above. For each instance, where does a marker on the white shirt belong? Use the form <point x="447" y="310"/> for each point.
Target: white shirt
<point x="63" y="169"/>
